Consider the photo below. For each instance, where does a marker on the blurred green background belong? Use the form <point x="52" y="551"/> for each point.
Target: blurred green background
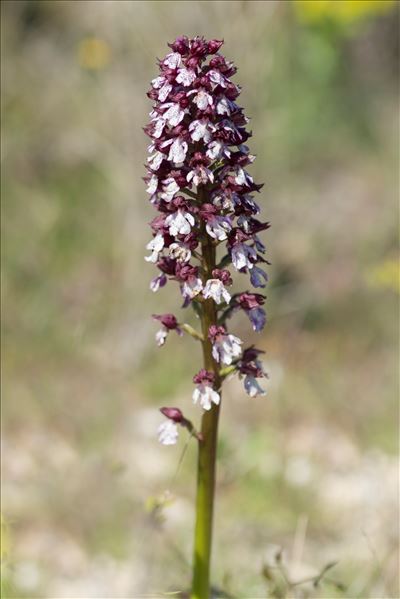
<point x="92" y="505"/>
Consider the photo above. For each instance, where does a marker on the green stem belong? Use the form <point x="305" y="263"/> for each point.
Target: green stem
<point x="191" y="331"/>
<point x="206" y="465"/>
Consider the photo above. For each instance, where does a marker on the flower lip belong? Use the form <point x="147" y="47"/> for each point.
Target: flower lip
<point x="205" y="395"/>
<point x="226" y="348"/>
<point x="180" y="223"/>
<point x="172" y="60"/>
<point x="156" y="246"/>
<point x="243" y="256"/>
<point x="214" y="288"/>
<point x="168" y="433"/>
<point x="252" y="386"/>
<point x="218" y="227"/>
<point x="186" y="76"/>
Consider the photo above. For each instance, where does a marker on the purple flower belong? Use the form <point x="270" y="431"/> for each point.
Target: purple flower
<point x="180" y="223"/>
<point x="217" y="149"/>
<point x="225" y="347"/>
<point x="169" y="323"/>
<point x="180" y="252"/>
<point x="215" y="289"/>
<point x="200" y="173"/>
<point x="201" y="130"/>
<point x="154" y="161"/>
<point x="152" y="185"/>
<point x="155" y="245"/>
<point x="218" y="227"/>
<point x="177" y="151"/>
<point x="243" y="256"/>
<point x="186" y="77"/>
<point x="202" y="99"/>
<point x="169" y="188"/>
<point x="191" y="284"/>
<point x="192" y="287"/>
<point x="168" y="431"/>
<point x="172" y="60"/>
<point x="251" y="303"/>
<point x="251" y="368"/>
<point x="204" y="392"/>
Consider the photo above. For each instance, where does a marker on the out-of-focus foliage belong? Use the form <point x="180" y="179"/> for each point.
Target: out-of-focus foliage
<point x="94" y="506"/>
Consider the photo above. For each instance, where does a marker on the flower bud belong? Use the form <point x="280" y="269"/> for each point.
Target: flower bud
<point x="168" y="320"/>
<point x="173" y="414"/>
<point x="214" y="45"/>
<point x="181" y="45"/>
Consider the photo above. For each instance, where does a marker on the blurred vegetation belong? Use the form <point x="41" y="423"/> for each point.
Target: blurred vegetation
<point x="313" y="467"/>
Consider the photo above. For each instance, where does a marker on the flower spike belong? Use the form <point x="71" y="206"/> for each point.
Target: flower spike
<point x="207" y="230"/>
<point x="198" y="181"/>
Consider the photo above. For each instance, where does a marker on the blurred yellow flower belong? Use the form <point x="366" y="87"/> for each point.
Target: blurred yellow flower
<point x="345" y="11"/>
<point x="94" y="53"/>
<point x="385" y="275"/>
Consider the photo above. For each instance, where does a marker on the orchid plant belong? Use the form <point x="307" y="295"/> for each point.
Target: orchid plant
<point x="198" y="182"/>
